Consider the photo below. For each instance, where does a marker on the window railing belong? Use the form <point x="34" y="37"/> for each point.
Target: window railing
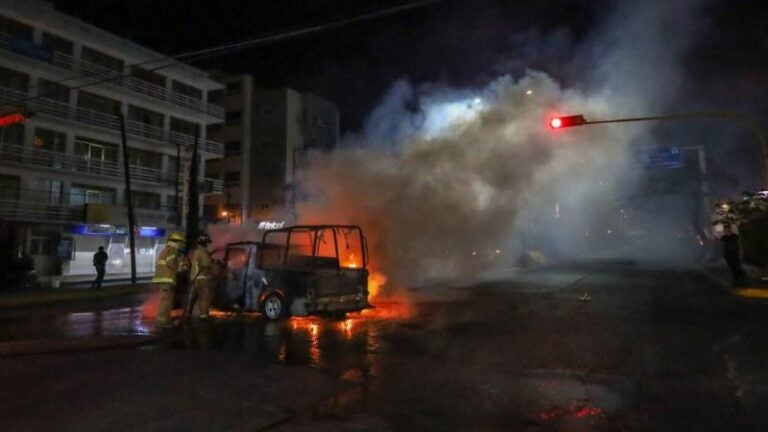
<point x="91" y="117"/>
<point x="111" y="77"/>
<point x="13" y="154"/>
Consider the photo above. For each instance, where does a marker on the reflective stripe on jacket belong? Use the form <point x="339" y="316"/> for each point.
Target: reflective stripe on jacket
<point x="201" y="264"/>
<point x="167" y="265"/>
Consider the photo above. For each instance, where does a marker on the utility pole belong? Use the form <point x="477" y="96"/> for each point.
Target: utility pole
<point x="179" y="207"/>
<point x="193" y="219"/>
<point x="128" y="202"/>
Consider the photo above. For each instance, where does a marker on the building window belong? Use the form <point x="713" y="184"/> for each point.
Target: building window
<point x="184" y="127"/>
<point x="57" y="43"/>
<point x="86" y="194"/>
<point x="46" y="139"/>
<point x="13" y="80"/>
<point x="145" y="158"/>
<point x="212" y="130"/>
<point x="15" y="29"/>
<point x="171" y="203"/>
<point x="95" y="156"/>
<point x="232" y="179"/>
<point x="9" y="187"/>
<point x="145" y="116"/>
<point x="145" y="200"/>
<point x="147" y="76"/>
<point x="46" y="191"/>
<point x="235" y="87"/>
<point x="13" y="134"/>
<point x="232" y="148"/>
<point x="52" y="90"/>
<point x="234" y="117"/>
<point x="104" y="60"/>
<point x="98" y="103"/>
<point x="211" y="211"/>
<point x="187" y="90"/>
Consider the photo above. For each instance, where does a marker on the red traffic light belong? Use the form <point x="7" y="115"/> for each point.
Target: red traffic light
<point x="567" y="121"/>
<point x="14" y="117"/>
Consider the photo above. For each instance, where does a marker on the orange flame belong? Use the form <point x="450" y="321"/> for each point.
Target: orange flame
<point x="351" y="261"/>
<point x="376" y="280"/>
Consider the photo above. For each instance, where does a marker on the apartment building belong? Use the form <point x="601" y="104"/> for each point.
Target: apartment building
<point x="62" y="187"/>
<point x="267" y="136"/>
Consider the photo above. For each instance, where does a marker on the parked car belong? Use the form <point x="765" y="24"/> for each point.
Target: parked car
<point x="297" y="271"/>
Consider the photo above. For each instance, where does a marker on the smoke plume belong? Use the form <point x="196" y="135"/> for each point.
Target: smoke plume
<point x="450" y="181"/>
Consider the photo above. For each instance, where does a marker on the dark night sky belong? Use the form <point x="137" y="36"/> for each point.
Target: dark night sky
<point x="453" y="42"/>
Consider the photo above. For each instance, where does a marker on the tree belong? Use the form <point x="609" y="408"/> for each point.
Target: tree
<point x="750" y="206"/>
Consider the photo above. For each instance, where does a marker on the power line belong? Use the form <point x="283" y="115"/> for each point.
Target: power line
<point x="229" y="48"/>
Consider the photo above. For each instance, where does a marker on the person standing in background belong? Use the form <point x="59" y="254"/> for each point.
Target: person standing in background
<point x="732" y="254"/>
<point x="100" y="259"/>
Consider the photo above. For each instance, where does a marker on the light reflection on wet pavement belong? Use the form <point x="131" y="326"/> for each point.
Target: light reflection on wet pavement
<point x="536" y="360"/>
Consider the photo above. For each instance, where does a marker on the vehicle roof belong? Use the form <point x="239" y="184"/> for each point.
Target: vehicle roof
<point x="244" y="243"/>
<point x="312" y="227"/>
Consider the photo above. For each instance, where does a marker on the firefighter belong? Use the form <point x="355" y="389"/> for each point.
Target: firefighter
<point x="169" y="264"/>
<point x="201" y="279"/>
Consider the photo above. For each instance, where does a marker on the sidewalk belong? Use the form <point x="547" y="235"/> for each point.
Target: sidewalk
<point x="46" y="296"/>
<point x="756" y="285"/>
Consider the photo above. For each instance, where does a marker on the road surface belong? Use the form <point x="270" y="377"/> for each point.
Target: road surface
<point x="598" y="346"/>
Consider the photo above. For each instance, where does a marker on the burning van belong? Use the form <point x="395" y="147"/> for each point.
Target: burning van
<point x="297" y="271"/>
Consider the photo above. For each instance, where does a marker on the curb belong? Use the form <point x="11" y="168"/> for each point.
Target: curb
<point x="743" y="292"/>
<point x="43" y="346"/>
<point x="62" y="295"/>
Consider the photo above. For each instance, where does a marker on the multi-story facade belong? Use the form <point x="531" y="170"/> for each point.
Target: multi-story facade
<point x="267" y="135"/>
<point x="62" y="186"/>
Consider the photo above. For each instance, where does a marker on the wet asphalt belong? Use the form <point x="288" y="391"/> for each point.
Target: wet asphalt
<point x="598" y="346"/>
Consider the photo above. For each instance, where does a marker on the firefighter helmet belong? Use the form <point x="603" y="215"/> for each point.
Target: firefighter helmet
<point x="176" y="237"/>
<point x="203" y="239"/>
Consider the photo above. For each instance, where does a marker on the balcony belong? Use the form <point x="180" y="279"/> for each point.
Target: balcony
<point x="107" y="76"/>
<point x="64" y="163"/>
<point x="50" y="161"/>
<point x="61" y="110"/>
<point x="16" y="210"/>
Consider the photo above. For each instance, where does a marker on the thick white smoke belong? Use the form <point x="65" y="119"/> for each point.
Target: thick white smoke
<point x="454" y="180"/>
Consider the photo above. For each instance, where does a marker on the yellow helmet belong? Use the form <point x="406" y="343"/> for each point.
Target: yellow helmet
<point x="176" y="237"/>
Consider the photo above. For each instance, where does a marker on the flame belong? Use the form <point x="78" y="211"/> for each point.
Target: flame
<point x="375" y="281"/>
<point x="351" y="261"/>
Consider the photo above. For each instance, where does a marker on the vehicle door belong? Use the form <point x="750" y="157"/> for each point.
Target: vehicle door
<point x="327" y="279"/>
<point x="252" y="280"/>
<point x="353" y="259"/>
<point x="236" y="259"/>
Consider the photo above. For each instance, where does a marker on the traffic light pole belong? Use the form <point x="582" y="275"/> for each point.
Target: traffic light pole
<point x="739" y="118"/>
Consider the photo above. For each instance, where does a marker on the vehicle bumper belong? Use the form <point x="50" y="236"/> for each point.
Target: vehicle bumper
<point x="342" y="303"/>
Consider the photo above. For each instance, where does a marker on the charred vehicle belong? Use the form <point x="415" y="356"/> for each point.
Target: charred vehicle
<point x="299" y="270"/>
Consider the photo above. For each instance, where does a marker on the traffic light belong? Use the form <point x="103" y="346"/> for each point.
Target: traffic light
<point x="14" y="117"/>
<point x="567" y="121"/>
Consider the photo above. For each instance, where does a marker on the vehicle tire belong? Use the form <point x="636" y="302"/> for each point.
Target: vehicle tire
<point x="274" y="307"/>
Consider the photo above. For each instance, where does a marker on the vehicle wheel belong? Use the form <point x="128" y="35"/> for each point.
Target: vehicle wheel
<point x="274" y="307"/>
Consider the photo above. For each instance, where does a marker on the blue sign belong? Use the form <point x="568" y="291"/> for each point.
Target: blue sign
<point x="152" y="232"/>
<point x="663" y="157"/>
<point x="96" y="230"/>
<point x="114" y="230"/>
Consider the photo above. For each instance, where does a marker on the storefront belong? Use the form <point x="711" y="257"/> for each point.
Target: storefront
<point x="83" y="240"/>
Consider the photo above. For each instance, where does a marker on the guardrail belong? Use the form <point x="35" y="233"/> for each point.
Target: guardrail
<point x="107" y="76"/>
<point x="61" y="110"/>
